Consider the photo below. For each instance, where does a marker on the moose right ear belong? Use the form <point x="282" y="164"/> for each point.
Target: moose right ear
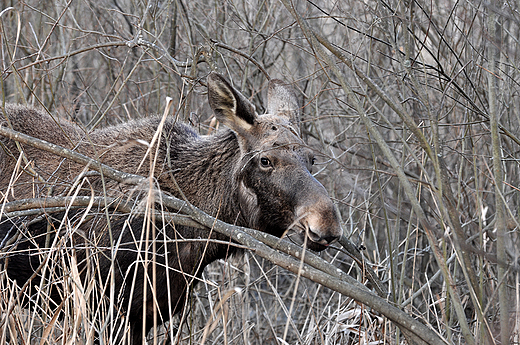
<point x="230" y="106"/>
<point x="282" y="101"/>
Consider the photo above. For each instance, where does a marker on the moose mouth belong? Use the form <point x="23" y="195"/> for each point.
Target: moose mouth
<point x="314" y="246"/>
<point x="307" y="238"/>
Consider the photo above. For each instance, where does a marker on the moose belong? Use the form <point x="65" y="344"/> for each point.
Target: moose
<point x="255" y="173"/>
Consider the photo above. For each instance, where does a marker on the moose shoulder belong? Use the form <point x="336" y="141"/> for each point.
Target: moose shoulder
<point x="256" y="173"/>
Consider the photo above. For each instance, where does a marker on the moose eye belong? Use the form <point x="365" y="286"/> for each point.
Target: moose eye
<point x="313" y="161"/>
<point x="265" y="162"/>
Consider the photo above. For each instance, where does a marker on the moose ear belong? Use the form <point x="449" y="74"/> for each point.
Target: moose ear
<point x="282" y="101"/>
<point x="230" y="106"/>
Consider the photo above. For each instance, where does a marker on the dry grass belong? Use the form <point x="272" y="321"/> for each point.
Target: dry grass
<point x="402" y="100"/>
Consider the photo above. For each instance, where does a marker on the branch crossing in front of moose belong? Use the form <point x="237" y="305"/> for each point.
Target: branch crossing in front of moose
<point x="109" y="253"/>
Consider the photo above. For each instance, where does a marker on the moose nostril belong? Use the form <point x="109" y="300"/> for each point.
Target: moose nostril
<point x="330" y="239"/>
<point x="320" y="226"/>
<point x="325" y="240"/>
<point x="313" y="236"/>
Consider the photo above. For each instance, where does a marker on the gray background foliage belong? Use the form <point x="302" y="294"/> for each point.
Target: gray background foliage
<point x="419" y="95"/>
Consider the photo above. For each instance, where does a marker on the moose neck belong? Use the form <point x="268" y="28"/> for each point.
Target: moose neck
<point x="204" y="169"/>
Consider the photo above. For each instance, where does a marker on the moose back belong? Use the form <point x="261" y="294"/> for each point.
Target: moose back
<point x="256" y="173"/>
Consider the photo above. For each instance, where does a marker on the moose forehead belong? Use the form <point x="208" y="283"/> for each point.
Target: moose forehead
<point x="276" y="130"/>
<point x="277" y="136"/>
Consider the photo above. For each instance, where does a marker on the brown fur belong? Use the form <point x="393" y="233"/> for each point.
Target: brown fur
<point x="254" y="174"/>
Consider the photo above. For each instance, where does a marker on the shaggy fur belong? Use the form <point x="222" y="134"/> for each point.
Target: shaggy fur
<point x="254" y="174"/>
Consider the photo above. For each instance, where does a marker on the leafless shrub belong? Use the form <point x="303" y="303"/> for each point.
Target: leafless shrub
<point x="409" y="103"/>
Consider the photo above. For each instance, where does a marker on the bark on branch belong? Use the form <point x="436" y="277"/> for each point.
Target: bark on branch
<point x="315" y="268"/>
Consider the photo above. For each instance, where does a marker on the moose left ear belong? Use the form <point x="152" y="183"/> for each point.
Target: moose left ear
<point x="230" y="106"/>
<point x="282" y="101"/>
